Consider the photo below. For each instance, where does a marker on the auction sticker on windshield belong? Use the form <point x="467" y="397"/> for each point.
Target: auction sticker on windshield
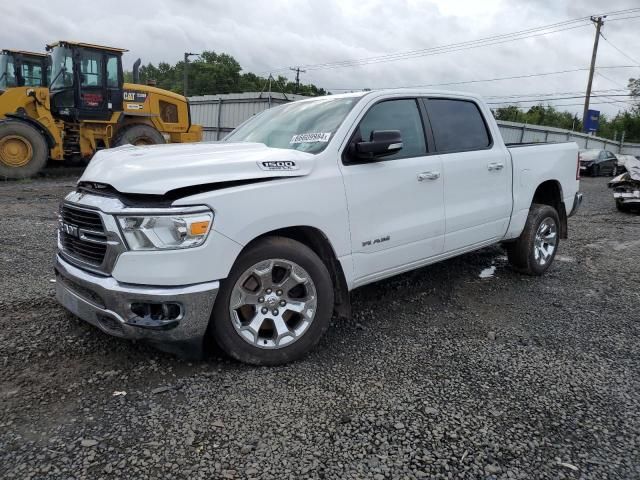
<point x="310" y="138"/>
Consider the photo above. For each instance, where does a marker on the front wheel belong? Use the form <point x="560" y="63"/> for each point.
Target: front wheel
<point x="138" y="135"/>
<point x="275" y="305"/>
<point x="533" y="252"/>
<point x="23" y="150"/>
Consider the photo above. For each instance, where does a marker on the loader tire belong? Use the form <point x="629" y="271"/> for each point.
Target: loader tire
<point x="138" y="135"/>
<point x="23" y="150"/>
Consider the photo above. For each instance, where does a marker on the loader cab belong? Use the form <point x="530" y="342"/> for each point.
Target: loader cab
<point x="86" y="81"/>
<point x="23" y="69"/>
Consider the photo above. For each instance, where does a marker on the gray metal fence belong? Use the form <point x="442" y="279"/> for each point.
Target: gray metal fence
<point x="520" y="132"/>
<point x="220" y="114"/>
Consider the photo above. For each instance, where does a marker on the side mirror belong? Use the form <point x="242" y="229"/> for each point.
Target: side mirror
<point x="381" y="144"/>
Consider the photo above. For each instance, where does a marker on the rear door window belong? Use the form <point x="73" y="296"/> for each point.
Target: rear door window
<point x="457" y="125"/>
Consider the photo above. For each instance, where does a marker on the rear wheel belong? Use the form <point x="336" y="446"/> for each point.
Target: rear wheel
<point x="533" y="252"/>
<point x="138" y="135"/>
<point x="621" y="206"/>
<point x="23" y="150"/>
<point x="275" y="304"/>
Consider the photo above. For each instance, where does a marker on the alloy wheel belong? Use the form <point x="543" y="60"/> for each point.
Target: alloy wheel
<point x="273" y="303"/>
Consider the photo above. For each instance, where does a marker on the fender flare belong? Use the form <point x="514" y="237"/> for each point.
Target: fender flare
<point x="36" y="124"/>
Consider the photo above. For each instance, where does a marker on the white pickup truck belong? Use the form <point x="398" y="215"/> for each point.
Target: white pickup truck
<point x="256" y="241"/>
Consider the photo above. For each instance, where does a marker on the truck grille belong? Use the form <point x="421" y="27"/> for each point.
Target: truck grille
<point x="82" y="234"/>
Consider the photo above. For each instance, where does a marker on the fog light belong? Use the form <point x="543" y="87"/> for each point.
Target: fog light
<point x="157" y="312"/>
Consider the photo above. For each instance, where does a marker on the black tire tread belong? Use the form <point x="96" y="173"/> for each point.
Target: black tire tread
<point x="520" y="253"/>
<point x="38" y="144"/>
<point x="221" y="329"/>
<point x="128" y="135"/>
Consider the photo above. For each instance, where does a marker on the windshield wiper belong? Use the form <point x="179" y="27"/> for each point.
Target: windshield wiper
<point x="62" y="70"/>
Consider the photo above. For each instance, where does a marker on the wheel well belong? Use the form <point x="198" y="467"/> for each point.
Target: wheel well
<point x="550" y="193"/>
<point x="319" y="243"/>
<point x="37" y="125"/>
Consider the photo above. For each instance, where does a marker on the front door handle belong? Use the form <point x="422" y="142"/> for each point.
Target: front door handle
<point x="428" y="176"/>
<point x="495" y="166"/>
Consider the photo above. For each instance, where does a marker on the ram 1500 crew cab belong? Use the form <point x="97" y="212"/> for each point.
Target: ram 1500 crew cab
<point x="256" y="241"/>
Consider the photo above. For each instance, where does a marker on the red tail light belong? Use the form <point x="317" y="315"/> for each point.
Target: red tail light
<point x="578" y="167"/>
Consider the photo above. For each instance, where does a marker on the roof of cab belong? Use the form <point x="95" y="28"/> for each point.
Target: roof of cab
<point x="62" y="43"/>
<point x="408" y="91"/>
<point x="23" y="52"/>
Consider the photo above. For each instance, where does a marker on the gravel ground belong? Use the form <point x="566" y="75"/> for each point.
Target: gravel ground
<point x="439" y="374"/>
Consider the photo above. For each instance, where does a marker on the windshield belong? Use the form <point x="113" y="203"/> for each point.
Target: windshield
<point x="306" y="126"/>
<point x="589" y="154"/>
<point x="7" y="72"/>
<point x="32" y="73"/>
<point x="61" y="68"/>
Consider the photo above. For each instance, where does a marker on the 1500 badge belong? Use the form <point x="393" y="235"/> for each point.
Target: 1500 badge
<point x="278" y="165"/>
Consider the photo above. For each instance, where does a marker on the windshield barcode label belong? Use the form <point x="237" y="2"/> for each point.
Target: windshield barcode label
<point x="310" y="138"/>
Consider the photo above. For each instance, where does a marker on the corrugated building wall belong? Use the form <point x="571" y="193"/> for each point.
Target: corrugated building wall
<point x="220" y="114"/>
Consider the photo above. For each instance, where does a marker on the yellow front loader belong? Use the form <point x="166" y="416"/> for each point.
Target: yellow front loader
<point x="87" y="107"/>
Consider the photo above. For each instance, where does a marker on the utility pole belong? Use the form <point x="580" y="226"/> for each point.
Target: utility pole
<point x="185" y="78"/>
<point x="599" y="21"/>
<point x="298" y="71"/>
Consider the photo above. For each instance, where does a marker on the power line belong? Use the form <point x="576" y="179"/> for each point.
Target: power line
<point x="620" y="51"/>
<point x="623" y="18"/>
<point x="609" y="79"/>
<point x="520" y="95"/>
<point x="491" y="40"/>
<point x="465" y="82"/>
<point x="432" y="50"/>
<point x="298" y="72"/>
<point x="435" y="51"/>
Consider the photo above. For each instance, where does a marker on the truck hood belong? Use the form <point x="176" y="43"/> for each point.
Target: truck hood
<point x="158" y="169"/>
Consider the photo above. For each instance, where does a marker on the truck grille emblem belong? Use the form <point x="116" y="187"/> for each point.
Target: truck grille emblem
<point x="69" y="229"/>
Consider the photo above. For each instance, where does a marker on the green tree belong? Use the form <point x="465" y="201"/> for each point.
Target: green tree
<point x="215" y="73"/>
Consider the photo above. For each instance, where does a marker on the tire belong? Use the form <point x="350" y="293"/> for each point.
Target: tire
<point x="525" y="254"/>
<point x="614" y="171"/>
<point x="622" y="207"/>
<point x="247" y="331"/>
<point x="23" y="150"/>
<point x="138" y="135"/>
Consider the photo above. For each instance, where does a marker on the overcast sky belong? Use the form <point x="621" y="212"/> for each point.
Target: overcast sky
<point x="266" y="35"/>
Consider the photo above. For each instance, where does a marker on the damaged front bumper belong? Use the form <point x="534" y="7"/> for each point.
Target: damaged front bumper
<point x="175" y="319"/>
<point x="626" y="190"/>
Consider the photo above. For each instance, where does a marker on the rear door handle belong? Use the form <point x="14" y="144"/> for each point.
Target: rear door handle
<point x="428" y="176"/>
<point x="495" y="166"/>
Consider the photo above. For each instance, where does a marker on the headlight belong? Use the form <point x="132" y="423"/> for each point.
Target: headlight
<point x="165" y="232"/>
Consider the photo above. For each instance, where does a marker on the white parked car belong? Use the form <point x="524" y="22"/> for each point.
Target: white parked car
<point x="256" y="241"/>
